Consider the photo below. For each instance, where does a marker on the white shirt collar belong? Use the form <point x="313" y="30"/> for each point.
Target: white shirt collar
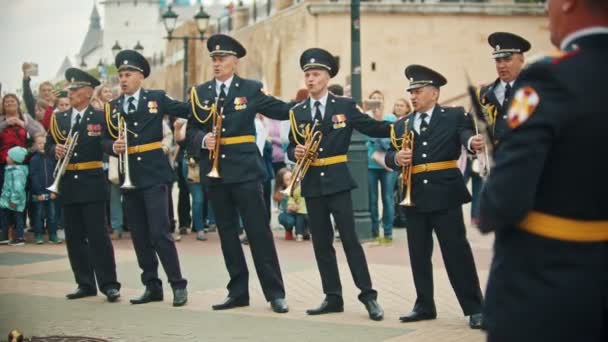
<point x="323" y="100"/>
<point x="504" y="84"/>
<point x="135" y="96"/>
<point x="428" y="112"/>
<point x="218" y="85"/>
<point x="582" y="33"/>
<point x="76" y="112"/>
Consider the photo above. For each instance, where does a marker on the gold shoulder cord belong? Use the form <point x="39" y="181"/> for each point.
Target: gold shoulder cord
<point x="111" y="126"/>
<point x="294" y="129"/>
<point x="196" y="103"/>
<point x="396" y="142"/>
<point x="55" y="131"/>
<point x="489" y="110"/>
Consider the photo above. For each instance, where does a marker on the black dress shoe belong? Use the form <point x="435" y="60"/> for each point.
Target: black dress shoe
<point x="180" y="297"/>
<point x="279" y="305"/>
<point x="416" y="316"/>
<point x="81" y="293"/>
<point x="113" y="295"/>
<point x="476" y="321"/>
<point x="326" y="307"/>
<point x="232" y="302"/>
<point x="149" y="296"/>
<point x="374" y="310"/>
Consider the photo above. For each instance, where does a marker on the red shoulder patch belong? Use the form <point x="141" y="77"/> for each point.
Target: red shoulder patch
<point x="564" y="56"/>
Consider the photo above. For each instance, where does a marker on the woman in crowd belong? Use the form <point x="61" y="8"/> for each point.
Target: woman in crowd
<point x="101" y="96"/>
<point x="378" y="172"/>
<point x="401" y="108"/>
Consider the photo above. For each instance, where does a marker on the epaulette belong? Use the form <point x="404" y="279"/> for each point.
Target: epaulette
<point x="299" y="104"/>
<point x="554" y="57"/>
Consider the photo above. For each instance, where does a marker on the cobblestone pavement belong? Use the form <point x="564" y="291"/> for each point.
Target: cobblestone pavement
<point x="34" y="280"/>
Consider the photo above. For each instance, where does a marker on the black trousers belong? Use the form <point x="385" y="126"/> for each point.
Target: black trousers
<point x="457" y="257"/>
<point x="340" y="205"/>
<point x="89" y="247"/>
<point x="148" y="217"/>
<point x="246" y="199"/>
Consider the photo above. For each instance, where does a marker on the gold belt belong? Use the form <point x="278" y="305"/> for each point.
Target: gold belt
<point x="342" y="158"/>
<point x="84" y="166"/>
<point x="241" y="139"/>
<point x="560" y="228"/>
<point x="145" y="147"/>
<point x="443" y="165"/>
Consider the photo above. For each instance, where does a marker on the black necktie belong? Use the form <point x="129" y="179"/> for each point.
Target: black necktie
<point x="318" y="116"/>
<point x="507" y="94"/>
<point x="220" y="102"/>
<point x="131" y="107"/>
<point x="424" y="126"/>
<point x="77" y="123"/>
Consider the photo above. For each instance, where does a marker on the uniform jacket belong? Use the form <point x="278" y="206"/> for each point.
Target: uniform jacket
<point x="145" y="126"/>
<point x="81" y="186"/>
<point x="245" y="98"/>
<point x="340" y="119"/>
<point x="553" y="163"/>
<point x="449" y="129"/>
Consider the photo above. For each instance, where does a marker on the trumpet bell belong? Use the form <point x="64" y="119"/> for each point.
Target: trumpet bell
<point x="54" y="188"/>
<point x="127" y="185"/>
<point x="407" y="202"/>
<point x="214" y="173"/>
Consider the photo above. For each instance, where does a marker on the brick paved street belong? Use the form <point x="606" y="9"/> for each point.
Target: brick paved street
<point x="34" y="280"/>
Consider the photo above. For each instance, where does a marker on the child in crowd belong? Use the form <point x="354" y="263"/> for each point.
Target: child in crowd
<point x="43" y="201"/>
<point x="12" y="200"/>
<point x="292" y="209"/>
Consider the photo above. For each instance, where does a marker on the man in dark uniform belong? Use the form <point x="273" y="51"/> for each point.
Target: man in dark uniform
<point x="508" y="56"/>
<point x="146" y="204"/>
<point x="549" y="275"/>
<point x="83" y="190"/>
<point x="234" y="101"/>
<point x="327" y="184"/>
<point x="437" y="192"/>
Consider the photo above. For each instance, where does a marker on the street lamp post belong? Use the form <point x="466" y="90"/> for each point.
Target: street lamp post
<point x="357" y="153"/>
<point x="202" y="22"/>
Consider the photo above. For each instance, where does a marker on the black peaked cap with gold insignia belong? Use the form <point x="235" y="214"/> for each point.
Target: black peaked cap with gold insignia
<point x="506" y="44"/>
<point x="132" y="60"/>
<point x="421" y="76"/>
<point x="316" y="58"/>
<point x="77" y="79"/>
<point x="223" y="45"/>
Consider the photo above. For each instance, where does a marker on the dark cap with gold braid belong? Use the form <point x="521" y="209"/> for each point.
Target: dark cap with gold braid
<point x="132" y="60"/>
<point x="506" y="44"/>
<point x="316" y="58"/>
<point x="421" y="76"/>
<point x="77" y="79"/>
<point x="223" y="45"/>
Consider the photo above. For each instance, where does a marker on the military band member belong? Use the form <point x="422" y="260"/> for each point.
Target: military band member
<point x="508" y="57"/>
<point x="546" y="196"/>
<point x="83" y="190"/>
<point x="234" y="101"/>
<point x="146" y="205"/>
<point x="437" y="192"/>
<point x="327" y="185"/>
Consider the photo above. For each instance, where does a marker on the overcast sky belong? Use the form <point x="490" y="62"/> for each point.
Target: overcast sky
<point x="40" y="31"/>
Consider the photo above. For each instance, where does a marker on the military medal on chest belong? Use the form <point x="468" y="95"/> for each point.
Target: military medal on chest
<point x="240" y="103"/>
<point x="339" y="121"/>
<point x="152" y="107"/>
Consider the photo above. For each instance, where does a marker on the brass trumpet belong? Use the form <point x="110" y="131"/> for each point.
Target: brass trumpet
<point x="215" y="153"/>
<point x="406" y="170"/>
<point x="70" y="144"/>
<point x="313" y="140"/>
<point x="123" y="158"/>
